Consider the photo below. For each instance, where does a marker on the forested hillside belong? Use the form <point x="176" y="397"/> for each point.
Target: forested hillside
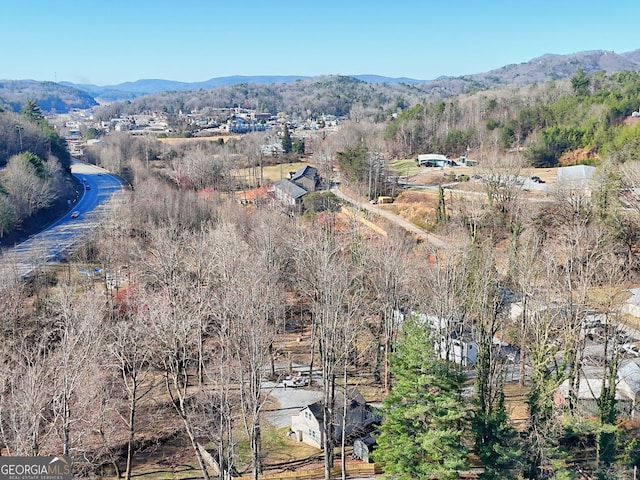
<point x="302" y="99"/>
<point x="34" y="163"/>
<point x="587" y="113"/>
<point x="51" y="97"/>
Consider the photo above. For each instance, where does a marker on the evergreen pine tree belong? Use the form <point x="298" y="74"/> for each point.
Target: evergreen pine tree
<point x="31" y="111"/>
<point x="287" y="143"/>
<point x="421" y="433"/>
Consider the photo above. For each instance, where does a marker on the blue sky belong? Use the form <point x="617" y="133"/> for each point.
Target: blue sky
<point x="105" y="42"/>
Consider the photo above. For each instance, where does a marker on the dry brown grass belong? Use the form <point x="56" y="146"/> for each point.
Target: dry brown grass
<point x="271" y="173"/>
<point x="182" y="140"/>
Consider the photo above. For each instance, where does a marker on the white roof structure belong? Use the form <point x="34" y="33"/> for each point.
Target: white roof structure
<point x="576" y="176"/>
<point x="629" y="377"/>
<point x="432" y="156"/>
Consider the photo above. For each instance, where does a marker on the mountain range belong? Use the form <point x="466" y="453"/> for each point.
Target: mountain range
<point x="538" y="70"/>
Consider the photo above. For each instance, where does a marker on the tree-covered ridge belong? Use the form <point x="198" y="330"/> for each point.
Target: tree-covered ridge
<point x="50" y="96"/>
<point x="325" y="95"/>
<point x="588" y="113"/>
<point x="30" y="131"/>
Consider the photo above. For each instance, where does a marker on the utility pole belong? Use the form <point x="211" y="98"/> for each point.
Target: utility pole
<point x="19" y="128"/>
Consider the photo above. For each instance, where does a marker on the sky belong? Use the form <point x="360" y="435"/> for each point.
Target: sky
<point x="107" y="42"/>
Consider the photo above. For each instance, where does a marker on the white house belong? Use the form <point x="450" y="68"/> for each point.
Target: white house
<point x="307" y="425"/>
<point x="450" y="342"/>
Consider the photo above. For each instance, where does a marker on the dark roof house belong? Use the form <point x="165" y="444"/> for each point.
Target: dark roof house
<point x="307" y="177"/>
<point x="291" y="191"/>
<point x="308" y="423"/>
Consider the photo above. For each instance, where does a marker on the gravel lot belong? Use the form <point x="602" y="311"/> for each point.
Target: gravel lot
<point x="289" y="401"/>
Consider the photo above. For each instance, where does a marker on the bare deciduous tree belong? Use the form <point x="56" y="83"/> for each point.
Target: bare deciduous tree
<point x="331" y="281"/>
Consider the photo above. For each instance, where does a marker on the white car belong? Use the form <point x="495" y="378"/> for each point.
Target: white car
<point x="629" y="349"/>
<point x="75" y="214"/>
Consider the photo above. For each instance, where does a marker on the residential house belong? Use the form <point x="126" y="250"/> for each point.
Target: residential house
<point x="307" y="177"/>
<point x="272" y="150"/>
<point x="289" y="193"/>
<point x="308" y="423"/>
<point x="590" y="389"/>
<point x="451" y="341"/>
<point x="628" y="379"/>
<point x="301" y="182"/>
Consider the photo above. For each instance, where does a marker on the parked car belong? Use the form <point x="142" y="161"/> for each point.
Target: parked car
<point x="297" y="381"/>
<point x="622" y="337"/>
<point x="629" y="349"/>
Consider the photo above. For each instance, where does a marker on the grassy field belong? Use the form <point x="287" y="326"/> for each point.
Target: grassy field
<point x="180" y="140"/>
<point x="406" y="167"/>
<point x="271" y="173"/>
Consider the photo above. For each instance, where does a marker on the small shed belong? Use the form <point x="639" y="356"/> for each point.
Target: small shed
<point x="363" y="447"/>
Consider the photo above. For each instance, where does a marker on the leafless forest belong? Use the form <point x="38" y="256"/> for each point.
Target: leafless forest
<point x="162" y="328"/>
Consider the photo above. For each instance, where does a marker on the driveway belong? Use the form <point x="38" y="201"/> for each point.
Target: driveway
<point x="288" y="400"/>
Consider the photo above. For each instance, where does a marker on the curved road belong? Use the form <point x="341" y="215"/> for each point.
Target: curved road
<point x="57" y="239"/>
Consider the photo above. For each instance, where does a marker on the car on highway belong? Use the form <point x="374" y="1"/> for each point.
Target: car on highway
<point x="75" y="214"/>
<point x="88" y="187"/>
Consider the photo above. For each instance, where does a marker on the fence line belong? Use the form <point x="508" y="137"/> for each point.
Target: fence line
<point x="365" y="469"/>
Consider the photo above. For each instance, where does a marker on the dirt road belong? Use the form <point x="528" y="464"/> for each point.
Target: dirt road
<point x="401" y="222"/>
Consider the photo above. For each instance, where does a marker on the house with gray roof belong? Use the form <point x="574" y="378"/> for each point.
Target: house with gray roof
<point x="290" y="191"/>
<point x="307" y="177"/>
<point x="628" y="379"/>
<point x="590" y="390"/>
<point x="308" y="423"/>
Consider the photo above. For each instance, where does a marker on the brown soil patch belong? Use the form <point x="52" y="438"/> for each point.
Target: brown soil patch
<point x="436" y="176"/>
<point x="578" y="156"/>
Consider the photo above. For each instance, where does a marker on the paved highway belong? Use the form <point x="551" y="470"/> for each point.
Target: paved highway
<point x="53" y="243"/>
